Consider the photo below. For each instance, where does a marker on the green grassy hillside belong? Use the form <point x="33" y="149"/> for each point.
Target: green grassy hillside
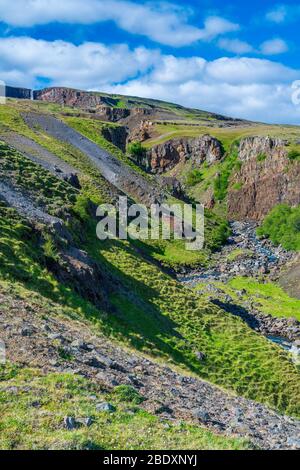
<point x="32" y="420"/>
<point x="152" y="312"/>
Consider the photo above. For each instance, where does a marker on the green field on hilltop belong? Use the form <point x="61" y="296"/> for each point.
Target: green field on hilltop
<point x="226" y="135"/>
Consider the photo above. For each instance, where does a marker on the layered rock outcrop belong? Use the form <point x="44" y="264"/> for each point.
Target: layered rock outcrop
<point x="266" y="178"/>
<point x="71" y="97"/>
<point x="166" y="156"/>
<point x="19" y="93"/>
<point x="117" y="135"/>
<point x="142" y="132"/>
<point x="105" y="107"/>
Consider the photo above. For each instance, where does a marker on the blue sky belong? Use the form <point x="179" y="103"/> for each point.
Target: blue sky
<point x="233" y="58"/>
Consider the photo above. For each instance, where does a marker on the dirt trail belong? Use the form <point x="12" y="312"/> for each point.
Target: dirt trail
<point x="114" y="171"/>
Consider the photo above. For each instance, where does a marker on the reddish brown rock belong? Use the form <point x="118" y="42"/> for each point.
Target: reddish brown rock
<point x="267" y="178"/>
<point x="141" y="132"/>
<point x="165" y="156"/>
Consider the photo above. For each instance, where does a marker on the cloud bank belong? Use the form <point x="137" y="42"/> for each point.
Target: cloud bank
<point x="161" y="22"/>
<point x="243" y="87"/>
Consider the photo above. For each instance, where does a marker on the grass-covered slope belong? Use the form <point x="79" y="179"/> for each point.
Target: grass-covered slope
<point x="31" y="419"/>
<point x="156" y="315"/>
<point x="269" y="297"/>
<point x="282" y="226"/>
<point x="152" y="312"/>
<point x="171" y="254"/>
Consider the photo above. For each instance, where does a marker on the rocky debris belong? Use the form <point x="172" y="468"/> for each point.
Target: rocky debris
<point x="200" y="356"/>
<point x="71" y="423"/>
<point x="176" y="396"/>
<point x="142" y="132"/>
<point x="113" y="170"/>
<point x="243" y="255"/>
<point x="117" y="135"/>
<point x="166" y="156"/>
<point x="289" y="278"/>
<point x="254" y="258"/>
<point x="75" y="268"/>
<point x="108" y="407"/>
<point x="266" y="178"/>
<point x="72" y="179"/>
<point x="171" y="185"/>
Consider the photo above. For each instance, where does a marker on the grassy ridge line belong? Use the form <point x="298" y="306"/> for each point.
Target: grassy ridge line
<point x="227" y="136"/>
<point x="24" y="426"/>
<point x="90" y="177"/>
<point x="26" y="175"/>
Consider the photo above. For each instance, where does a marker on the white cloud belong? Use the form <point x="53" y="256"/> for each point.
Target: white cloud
<point x="89" y="64"/>
<point x="161" y="22"/>
<point x="254" y="89"/>
<point x="215" y="26"/>
<point x="235" y="46"/>
<point x="274" y="46"/>
<point x="278" y="14"/>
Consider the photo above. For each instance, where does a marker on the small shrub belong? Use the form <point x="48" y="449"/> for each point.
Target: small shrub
<point x="129" y="394"/>
<point x="282" y="226"/>
<point x="237" y="186"/>
<point x="194" y="177"/>
<point x="261" y="157"/>
<point x="49" y="248"/>
<point x="136" y="151"/>
<point x="294" y="154"/>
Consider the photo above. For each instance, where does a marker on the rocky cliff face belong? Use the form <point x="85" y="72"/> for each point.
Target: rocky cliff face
<point x="104" y="107"/>
<point x="70" y="97"/>
<point x="117" y="136"/>
<point x="141" y="132"/>
<point x="266" y="178"/>
<point x="165" y="156"/>
<point x="20" y="93"/>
